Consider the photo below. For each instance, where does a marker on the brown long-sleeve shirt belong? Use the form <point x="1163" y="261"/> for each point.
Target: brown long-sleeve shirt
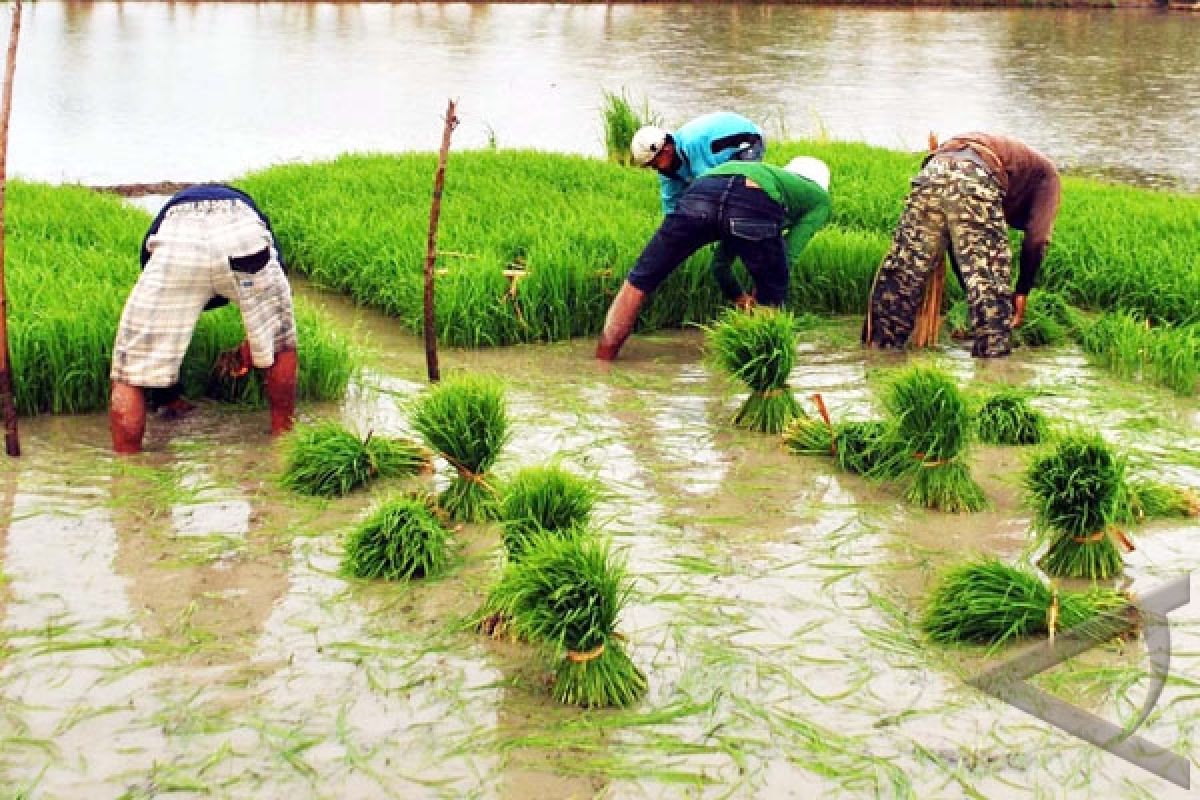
<point x="1031" y="193"/>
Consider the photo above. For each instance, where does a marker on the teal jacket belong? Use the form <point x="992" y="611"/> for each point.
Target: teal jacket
<point x="702" y="144"/>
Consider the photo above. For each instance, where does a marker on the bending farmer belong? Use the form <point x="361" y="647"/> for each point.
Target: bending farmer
<point x="968" y="193"/>
<point x="745" y="206"/>
<point x="209" y="241"/>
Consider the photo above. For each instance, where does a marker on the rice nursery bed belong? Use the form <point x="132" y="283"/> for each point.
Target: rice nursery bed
<point x="181" y="623"/>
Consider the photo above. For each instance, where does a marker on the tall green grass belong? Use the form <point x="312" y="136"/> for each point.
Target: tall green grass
<point x="72" y="259"/>
<point x="621" y="121"/>
<point x="576" y="225"/>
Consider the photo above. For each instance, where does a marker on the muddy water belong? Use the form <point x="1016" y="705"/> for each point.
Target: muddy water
<point x="113" y="92"/>
<point x="175" y="622"/>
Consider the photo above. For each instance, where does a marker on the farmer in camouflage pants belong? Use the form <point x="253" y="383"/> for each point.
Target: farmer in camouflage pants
<point x="970" y="191"/>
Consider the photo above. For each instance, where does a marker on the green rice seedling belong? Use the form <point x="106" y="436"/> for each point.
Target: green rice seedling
<point x="759" y="349"/>
<point x="808" y="436"/>
<point x="621" y="122"/>
<point x="1075" y="490"/>
<point x="465" y="419"/>
<point x="1049" y="321"/>
<point x="403" y="539"/>
<point x="1143" y="498"/>
<point x="958" y="321"/>
<point x="326" y="460"/>
<point x="567" y="594"/>
<point x="1007" y="418"/>
<point x="544" y="499"/>
<point x="989" y="602"/>
<point x="929" y="435"/>
<point x="867" y="448"/>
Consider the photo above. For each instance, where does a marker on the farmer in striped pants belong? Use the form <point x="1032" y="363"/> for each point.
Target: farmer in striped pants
<point x="209" y="241"/>
<point x="970" y="191"/>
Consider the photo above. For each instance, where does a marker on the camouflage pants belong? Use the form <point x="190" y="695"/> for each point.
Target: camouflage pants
<point x="953" y="204"/>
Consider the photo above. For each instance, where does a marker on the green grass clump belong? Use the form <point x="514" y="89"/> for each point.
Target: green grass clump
<point x="1076" y="490"/>
<point x="621" y="121"/>
<point x="64" y="243"/>
<point x="928" y="436"/>
<point x="1131" y="347"/>
<point x="1049" y="321"/>
<point x="1007" y="418"/>
<point x="989" y="602"/>
<point x="1142" y="499"/>
<point x="465" y="419"/>
<point x="567" y="594"/>
<point x="403" y="539"/>
<point x="544" y="499"/>
<point x="326" y="460"/>
<point x="759" y="348"/>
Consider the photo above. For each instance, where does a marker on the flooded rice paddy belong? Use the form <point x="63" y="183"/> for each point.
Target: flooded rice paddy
<point x="176" y="622"/>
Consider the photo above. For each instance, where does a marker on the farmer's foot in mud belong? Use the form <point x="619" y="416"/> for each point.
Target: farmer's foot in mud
<point x="177" y="408"/>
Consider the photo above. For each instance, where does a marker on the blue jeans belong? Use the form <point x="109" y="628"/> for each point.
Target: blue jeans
<point x="720" y="208"/>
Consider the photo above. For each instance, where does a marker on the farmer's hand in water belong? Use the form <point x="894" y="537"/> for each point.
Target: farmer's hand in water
<point x="234" y="363"/>
<point x="1019" y="309"/>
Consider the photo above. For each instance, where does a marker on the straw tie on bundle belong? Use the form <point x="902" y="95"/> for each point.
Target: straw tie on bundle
<point x="824" y="412"/>
<point x="585" y="657"/>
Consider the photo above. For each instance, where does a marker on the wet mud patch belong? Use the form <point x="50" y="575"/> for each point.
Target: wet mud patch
<point x="178" y="623"/>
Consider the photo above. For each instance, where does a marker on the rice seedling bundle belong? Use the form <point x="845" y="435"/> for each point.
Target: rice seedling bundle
<point x="1144" y="498"/>
<point x="1076" y="490"/>
<point x="465" y="419"/>
<point x="567" y="594"/>
<point x="326" y="460"/>
<point x="544" y="499"/>
<point x="758" y="347"/>
<point x="621" y="122"/>
<point x="1007" y="418"/>
<point x="930" y="433"/>
<point x="809" y="436"/>
<point x="989" y="602"/>
<point x="403" y="539"/>
<point x="1049" y="321"/>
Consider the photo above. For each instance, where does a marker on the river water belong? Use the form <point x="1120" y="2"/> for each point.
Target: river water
<point x="125" y="92"/>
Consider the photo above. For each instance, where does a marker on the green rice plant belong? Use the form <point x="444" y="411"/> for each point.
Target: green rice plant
<point x="1144" y="498"/>
<point x="621" y="122"/>
<point x="465" y="419"/>
<point x="1130" y="346"/>
<point x="808" y="436"/>
<point x="867" y="448"/>
<point x="403" y="539"/>
<point x="1007" y="418"/>
<point x="989" y="602"/>
<point x="1075" y="491"/>
<point x="326" y="460"/>
<point x="759" y="348"/>
<point x="958" y="321"/>
<point x="544" y="499"/>
<point x="928" y="440"/>
<point x="1049" y="321"/>
<point x="567" y="594"/>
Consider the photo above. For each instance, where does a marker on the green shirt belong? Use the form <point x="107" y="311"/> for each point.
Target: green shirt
<point x="806" y="205"/>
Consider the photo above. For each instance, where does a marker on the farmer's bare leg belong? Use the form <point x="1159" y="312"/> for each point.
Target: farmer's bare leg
<point x="127" y="418"/>
<point x="622" y="315"/>
<point x="281" y="391"/>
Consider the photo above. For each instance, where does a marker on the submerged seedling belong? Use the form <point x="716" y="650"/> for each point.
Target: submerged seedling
<point x="327" y="460"/>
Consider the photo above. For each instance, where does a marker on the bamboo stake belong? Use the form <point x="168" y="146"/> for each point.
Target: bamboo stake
<point x="435" y="211"/>
<point x="12" y="442"/>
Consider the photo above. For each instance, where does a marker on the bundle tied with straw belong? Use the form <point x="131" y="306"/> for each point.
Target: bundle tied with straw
<point x="567" y="594"/>
<point x="1007" y="418"/>
<point x="989" y="602"/>
<point x="403" y="539"/>
<point x="758" y="347"/>
<point x="544" y="499"/>
<point x="930" y="432"/>
<point x="1144" y="498"/>
<point x="1076" y="493"/>
<point x="326" y="460"/>
<point x="465" y="419"/>
<point x="859" y="447"/>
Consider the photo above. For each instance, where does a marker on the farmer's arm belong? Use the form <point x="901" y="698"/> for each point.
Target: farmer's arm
<point x="811" y="220"/>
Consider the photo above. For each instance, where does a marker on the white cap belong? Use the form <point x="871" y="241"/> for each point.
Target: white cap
<point x="814" y="169"/>
<point x="647" y="143"/>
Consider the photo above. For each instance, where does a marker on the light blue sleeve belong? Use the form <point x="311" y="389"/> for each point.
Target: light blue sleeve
<point x="671" y="190"/>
